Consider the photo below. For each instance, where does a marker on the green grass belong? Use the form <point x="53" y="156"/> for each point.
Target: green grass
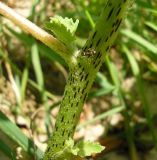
<point x="14" y="133"/>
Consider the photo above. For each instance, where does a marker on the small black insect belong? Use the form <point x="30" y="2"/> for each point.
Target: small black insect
<point x="89" y="52"/>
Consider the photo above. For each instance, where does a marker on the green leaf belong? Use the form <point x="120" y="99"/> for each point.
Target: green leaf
<point x="63" y="28"/>
<point x="67" y="152"/>
<point x="71" y="148"/>
<point x="88" y="148"/>
<point x="81" y="149"/>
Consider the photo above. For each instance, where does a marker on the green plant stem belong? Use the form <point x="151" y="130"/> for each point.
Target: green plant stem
<point x="36" y="32"/>
<point x="82" y="74"/>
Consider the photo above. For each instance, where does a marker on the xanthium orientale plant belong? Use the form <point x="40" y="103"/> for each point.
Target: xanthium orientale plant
<point x="83" y="66"/>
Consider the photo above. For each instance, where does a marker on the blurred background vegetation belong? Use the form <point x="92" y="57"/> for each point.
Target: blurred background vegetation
<point x="121" y="110"/>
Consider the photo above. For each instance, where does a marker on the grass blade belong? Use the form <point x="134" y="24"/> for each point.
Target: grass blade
<point x="113" y="72"/>
<point x="89" y="17"/>
<point x="102" y="116"/>
<point x="102" y="81"/>
<point x="100" y="92"/>
<point x="7" y="150"/>
<point x="14" y="133"/>
<point x="107" y="87"/>
<point x="140" y="40"/>
<point x="136" y="72"/>
<point x="24" y="83"/>
<point x="151" y="25"/>
<point x="37" y="66"/>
